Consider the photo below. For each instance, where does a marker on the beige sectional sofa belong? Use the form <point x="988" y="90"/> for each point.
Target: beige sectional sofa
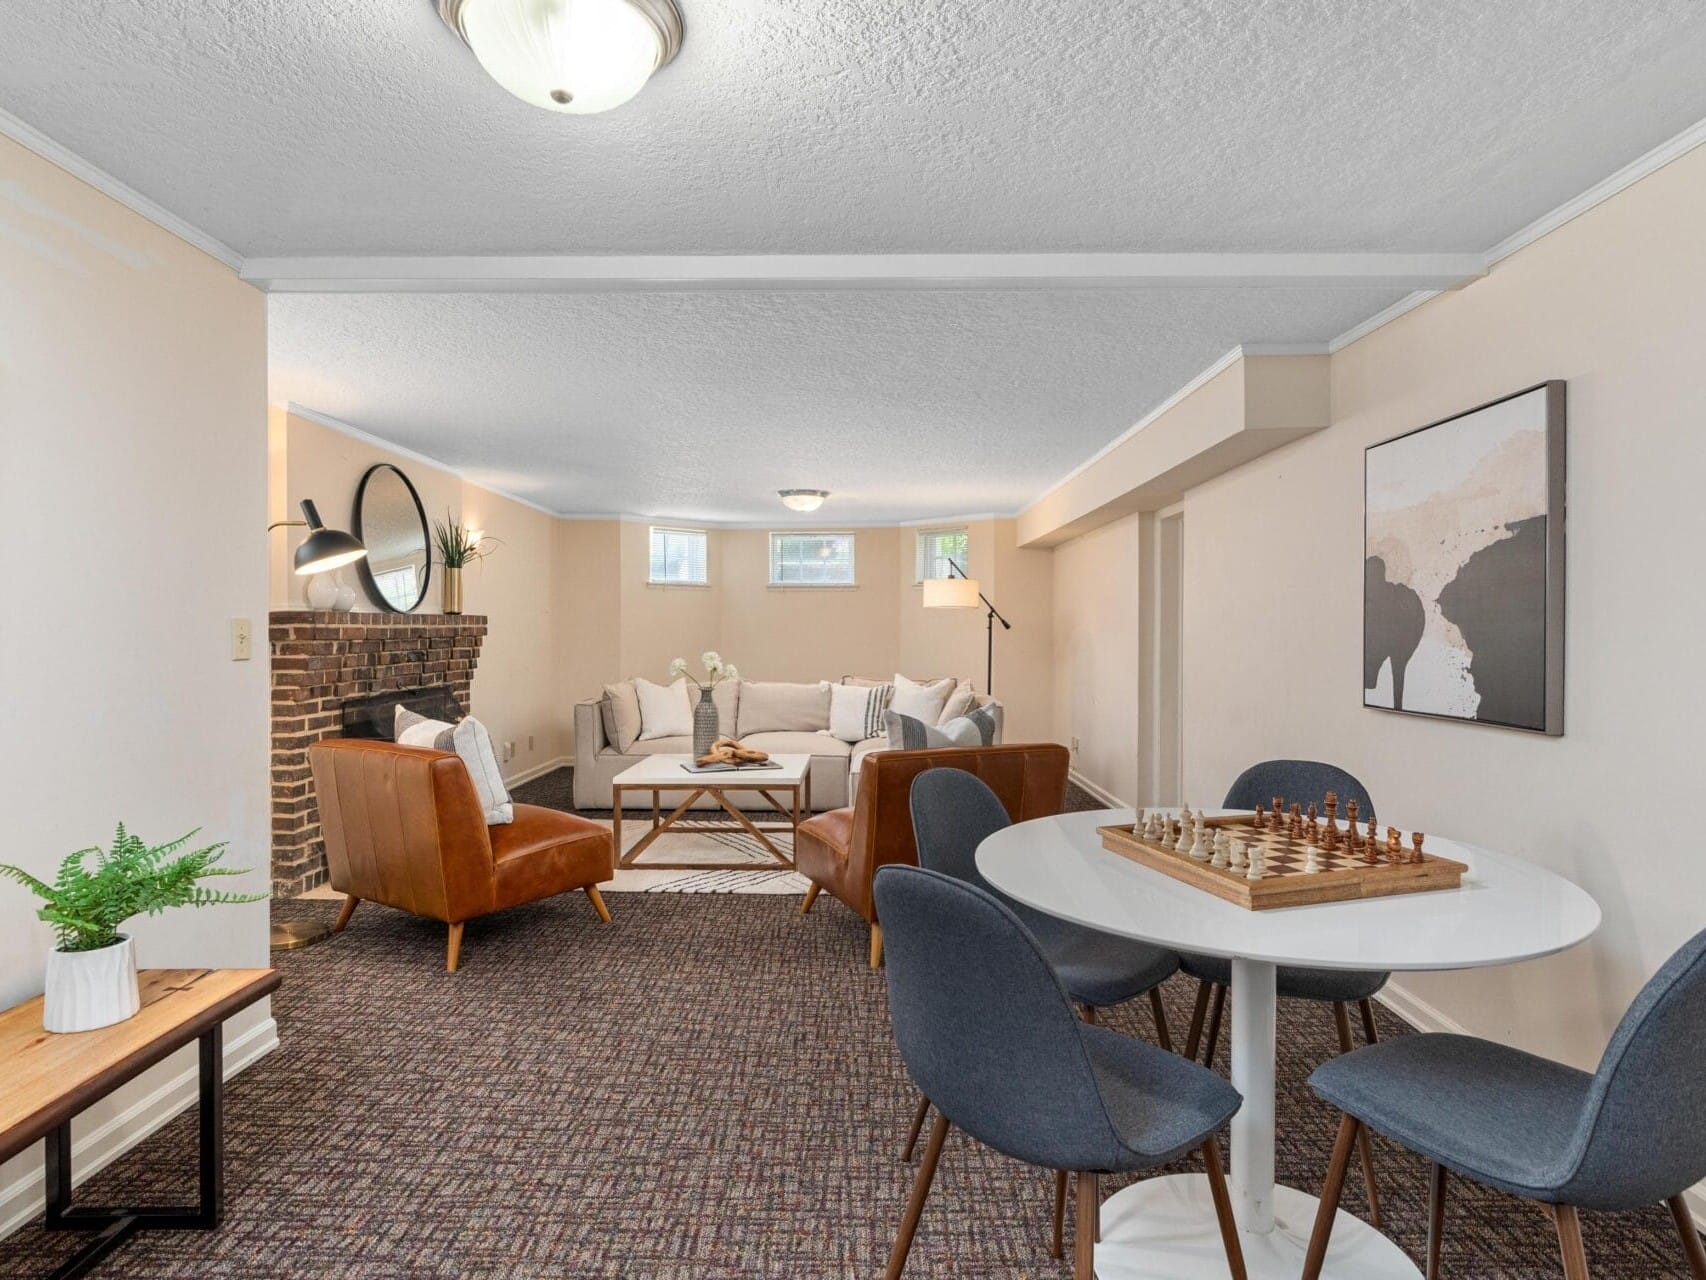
<point x="781" y="718"/>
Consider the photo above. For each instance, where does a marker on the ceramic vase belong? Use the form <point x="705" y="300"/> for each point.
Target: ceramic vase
<point x="89" y="989"/>
<point x="452" y="589"/>
<point x="346" y="596"/>
<point x="321" y="591"/>
<point x="704" y="723"/>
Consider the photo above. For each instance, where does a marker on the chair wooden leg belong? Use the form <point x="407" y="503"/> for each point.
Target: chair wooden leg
<point x="1193" y="1037"/>
<point x="1436" y="1219"/>
<point x="1365" y="1141"/>
<point x="453" y="955"/>
<point x="811" y="897"/>
<point x="1214" y="1025"/>
<point x="916" y="1129"/>
<point x="1084" y="1235"/>
<point x="1330" y="1193"/>
<point x="1570" y="1242"/>
<point x="351" y="902"/>
<point x="915" y="1205"/>
<point x="876" y="946"/>
<point x="1369" y="1034"/>
<point x="1163" y="1037"/>
<point x="1690" y="1237"/>
<point x="597" y="899"/>
<point x="1088" y="1013"/>
<point x="1058" y="1249"/>
<point x="1223" y="1209"/>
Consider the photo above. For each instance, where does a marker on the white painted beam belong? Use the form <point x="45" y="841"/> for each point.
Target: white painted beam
<point x="613" y="273"/>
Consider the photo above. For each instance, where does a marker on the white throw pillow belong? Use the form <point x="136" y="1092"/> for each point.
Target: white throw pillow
<point x="469" y="740"/>
<point x="856" y="711"/>
<point x="982" y="728"/>
<point x="665" y="711"/>
<point x="959" y="702"/>
<point x="921" y="701"/>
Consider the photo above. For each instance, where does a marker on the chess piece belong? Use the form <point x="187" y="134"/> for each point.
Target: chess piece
<point x="1279" y="812"/>
<point x="1416" y="854"/>
<point x="1167" y="840"/>
<point x="1311" y="862"/>
<point x="1200" y="848"/>
<point x="1394" y="847"/>
<point x="1261" y="816"/>
<point x="1239" y="849"/>
<point x="1255" y="869"/>
<point x="1222" y="849"/>
<point x="1296" y="831"/>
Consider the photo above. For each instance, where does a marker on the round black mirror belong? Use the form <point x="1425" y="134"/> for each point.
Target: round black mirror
<point x="392" y="525"/>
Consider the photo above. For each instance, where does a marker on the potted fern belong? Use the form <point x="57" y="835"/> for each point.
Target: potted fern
<point x="91" y="972"/>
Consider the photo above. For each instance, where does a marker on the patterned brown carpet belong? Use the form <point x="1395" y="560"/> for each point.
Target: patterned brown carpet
<point x="706" y="1088"/>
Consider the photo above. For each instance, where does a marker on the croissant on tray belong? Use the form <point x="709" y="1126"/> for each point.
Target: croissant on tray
<point x="730" y="751"/>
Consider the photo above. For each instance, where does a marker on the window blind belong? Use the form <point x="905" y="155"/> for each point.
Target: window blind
<point x="811" y="560"/>
<point x="678" y="556"/>
<point x="935" y="548"/>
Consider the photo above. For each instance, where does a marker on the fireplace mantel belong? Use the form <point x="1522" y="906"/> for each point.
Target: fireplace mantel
<point x="320" y="660"/>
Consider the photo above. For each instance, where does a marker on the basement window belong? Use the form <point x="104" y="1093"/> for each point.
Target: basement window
<point x="811" y="560"/>
<point x="678" y="558"/>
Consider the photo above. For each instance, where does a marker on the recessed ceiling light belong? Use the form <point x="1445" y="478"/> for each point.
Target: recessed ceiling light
<point x="576" y="56"/>
<point x="802" y="499"/>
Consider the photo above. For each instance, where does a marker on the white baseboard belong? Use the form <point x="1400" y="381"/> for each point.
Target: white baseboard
<point x="539" y="771"/>
<point x="1101" y="793"/>
<point x="26" y="1197"/>
<point x="1424" y="1017"/>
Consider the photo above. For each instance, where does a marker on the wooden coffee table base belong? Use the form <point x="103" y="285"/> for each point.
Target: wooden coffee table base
<point x="676" y="821"/>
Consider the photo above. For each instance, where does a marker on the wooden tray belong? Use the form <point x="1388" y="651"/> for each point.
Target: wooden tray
<point x="1342" y="878"/>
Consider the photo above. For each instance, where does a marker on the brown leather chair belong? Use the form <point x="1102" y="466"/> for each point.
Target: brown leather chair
<point x="842" y="849"/>
<point x="403" y="826"/>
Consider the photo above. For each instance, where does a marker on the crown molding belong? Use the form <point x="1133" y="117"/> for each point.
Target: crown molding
<point x="368" y="438"/>
<point x="33" y="139"/>
<point x="624" y="272"/>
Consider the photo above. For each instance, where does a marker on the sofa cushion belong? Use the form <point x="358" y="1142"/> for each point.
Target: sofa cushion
<point x="665" y="710"/>
<point x="833" y="830"/>
<point x="546" y="851"/>
<point x="662" y="746"/>
<point x="799" y="744"/>
<point x="620" y="708"/>
<point x="774" y="707"/>
<point x="726" y="696"/>
<point x="860" y="751"/>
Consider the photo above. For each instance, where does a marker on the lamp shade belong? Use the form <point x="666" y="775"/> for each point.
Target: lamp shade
<point x="950" y="593"/>
<point x="802" y="499"/>
<point x="325" y="548"/>
<point x="574" y="56"/>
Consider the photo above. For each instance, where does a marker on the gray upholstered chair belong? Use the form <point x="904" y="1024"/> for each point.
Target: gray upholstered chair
<point x="1627" y="1136"/>
<point x="952" y="813"/>
<point x="1303" y="782"/>
<point x="989" y="1035"/>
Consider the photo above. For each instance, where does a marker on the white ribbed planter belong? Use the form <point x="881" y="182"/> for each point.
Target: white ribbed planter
<point x="89" y="989"/>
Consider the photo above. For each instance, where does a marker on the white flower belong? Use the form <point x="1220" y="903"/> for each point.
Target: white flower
<point x="678" y="667"/>
<point x="731" y="672"/>
<point x="712" y="662"/>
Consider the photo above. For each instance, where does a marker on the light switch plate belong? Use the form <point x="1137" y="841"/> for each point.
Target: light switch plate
<point x="242" y="640"/>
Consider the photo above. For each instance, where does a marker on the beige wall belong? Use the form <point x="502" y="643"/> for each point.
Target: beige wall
<point x="133" y="417"/>
<point x="1613" y="303"/>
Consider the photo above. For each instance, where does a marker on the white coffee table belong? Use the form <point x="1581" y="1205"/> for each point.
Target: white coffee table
<point x="1506" y="910"/>
<point x="667" y="774"/>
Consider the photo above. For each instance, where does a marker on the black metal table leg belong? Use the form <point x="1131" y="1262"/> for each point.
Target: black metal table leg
<point x="116" y="1225"/>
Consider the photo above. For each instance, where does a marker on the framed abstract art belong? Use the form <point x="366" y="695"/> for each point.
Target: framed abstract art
<point x="1463" y="566"/>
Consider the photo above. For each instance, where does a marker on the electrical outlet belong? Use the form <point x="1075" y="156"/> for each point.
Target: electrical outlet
<point x="530" y="742"/>
<point x="1075" y="746"/>
<point x="242" y="640"/>
<point x="509" y="752"/>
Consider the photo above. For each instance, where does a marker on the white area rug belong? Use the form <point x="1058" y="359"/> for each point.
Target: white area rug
<point x="717" y="847"/>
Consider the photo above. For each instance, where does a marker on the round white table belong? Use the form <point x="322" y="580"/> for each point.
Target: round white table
<point x="1506" y="910"/>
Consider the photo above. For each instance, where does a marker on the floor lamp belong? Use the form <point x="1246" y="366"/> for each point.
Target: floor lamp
<point x="961" y="592"/>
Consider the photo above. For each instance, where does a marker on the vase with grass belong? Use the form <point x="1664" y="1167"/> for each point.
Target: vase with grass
<point x="705" y="733"/>
<point x="458" y="546"/>
<point x="91" y="972"/>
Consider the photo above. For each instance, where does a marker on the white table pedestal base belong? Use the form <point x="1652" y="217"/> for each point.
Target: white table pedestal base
<point x="1165" y="1229"/>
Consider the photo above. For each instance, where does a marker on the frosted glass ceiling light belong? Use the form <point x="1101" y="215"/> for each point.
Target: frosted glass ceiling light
<point x="802" y="499"/>
<point x="576" y="56"/>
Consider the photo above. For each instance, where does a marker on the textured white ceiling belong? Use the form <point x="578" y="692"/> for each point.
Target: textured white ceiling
<point x="905" y="404"/>
<point x="290" y="126"/>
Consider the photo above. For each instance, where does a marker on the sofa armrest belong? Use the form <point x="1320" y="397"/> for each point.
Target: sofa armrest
<point x="589" y="730"/>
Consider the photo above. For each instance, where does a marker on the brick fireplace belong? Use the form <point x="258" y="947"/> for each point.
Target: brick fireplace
<point x="320" y="662"/>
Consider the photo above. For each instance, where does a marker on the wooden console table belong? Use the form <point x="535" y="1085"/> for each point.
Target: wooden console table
<point x="50" y="1078"/>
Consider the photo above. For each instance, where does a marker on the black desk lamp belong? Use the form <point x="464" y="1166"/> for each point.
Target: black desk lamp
<point x="323" y="548"/>
<point x="962" y="593"/>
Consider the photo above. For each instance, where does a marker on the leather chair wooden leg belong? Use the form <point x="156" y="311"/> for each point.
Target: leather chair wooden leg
<point x="1365" y="1141"/>
<point x="1330" y="1193"/>
<point x="351" y="902"/>
<point x="597" y="900"/>
<point x="1436" y="1219"/>
<point x="453" y="954"/>
<point x="915" y="1205"/>
<point x="1084" y="1239"/>
<point x="1214" y="1025"/>
<point x="1570" y="1241"/>
<point x="1690" y="1237"/>
<point x="1162" y="1036"/>
<point x="876" y="946"/>
<point x="1193" y="1037"/>
<point x="1058" y="1249"/>
<point x="1223" y="1210"/>
<point x="917" y="1128"/>
<point x="811" y="897"/>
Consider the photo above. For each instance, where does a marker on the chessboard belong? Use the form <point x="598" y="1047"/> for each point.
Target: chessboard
<point x="1274" y="859"/>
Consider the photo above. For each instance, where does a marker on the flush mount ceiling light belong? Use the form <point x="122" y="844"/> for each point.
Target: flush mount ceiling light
<point x="576" y="56"/>
<point x="802" y="499"/>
